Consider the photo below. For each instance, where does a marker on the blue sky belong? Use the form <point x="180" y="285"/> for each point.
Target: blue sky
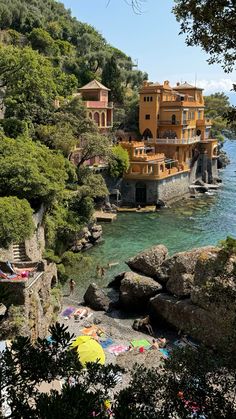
<point x="152" y="39"/>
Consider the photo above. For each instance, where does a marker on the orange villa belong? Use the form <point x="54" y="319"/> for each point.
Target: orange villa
<point x="175" y="149"/>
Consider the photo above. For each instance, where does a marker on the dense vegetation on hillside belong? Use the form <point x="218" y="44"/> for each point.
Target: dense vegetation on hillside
<point x="45" y="55"/>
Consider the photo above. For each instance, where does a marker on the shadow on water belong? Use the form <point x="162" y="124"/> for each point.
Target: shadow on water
<point x="187" y="224"/>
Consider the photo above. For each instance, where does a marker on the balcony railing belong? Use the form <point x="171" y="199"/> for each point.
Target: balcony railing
<point x="169" y="122"/>
<point x="176" y="140"/>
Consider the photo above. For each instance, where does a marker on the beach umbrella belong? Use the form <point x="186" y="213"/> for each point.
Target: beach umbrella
<point x="88" y="349"/>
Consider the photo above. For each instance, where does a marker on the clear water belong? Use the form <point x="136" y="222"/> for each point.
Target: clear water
<point x="187" y="224"/>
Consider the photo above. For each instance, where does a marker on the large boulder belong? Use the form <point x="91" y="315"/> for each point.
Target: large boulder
<point x="136" y="291"/>
<point x="96" y="298"/>
<point x="189" y="318"/>
<point x="179" y="271"/>
<point x="149" y="261"/>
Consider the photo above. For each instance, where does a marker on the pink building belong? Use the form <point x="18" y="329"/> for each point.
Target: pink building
<point x="99" y="109"/>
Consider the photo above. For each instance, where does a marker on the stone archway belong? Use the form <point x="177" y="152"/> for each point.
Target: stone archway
<point x="141" y="193"/>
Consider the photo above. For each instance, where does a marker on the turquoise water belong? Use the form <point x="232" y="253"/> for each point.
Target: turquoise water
<point x="187" y="224"/>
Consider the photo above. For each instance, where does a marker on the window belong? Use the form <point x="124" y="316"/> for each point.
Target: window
<point x="147" y="98"/>
<point x="147" y="116"/>
<point x="144" y="98"/>
<point x="151" y="99"/>
<point x="173" y="119"/>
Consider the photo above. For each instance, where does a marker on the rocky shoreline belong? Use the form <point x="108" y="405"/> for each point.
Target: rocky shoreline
<point x="194" y="292"/>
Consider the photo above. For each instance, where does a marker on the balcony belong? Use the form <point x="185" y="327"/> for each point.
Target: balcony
<point x="177" y="140"/>
<point x="168" y="122"/>
<point x="98" y="104"/>
<point x="205" y="121"/>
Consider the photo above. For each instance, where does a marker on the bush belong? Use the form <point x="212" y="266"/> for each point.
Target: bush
<point x="119" y="162"/>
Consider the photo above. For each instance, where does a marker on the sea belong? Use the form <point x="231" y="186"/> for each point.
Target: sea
<point x="186" y="224"/>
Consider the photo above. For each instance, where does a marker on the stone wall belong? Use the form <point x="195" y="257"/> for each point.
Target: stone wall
<point x="33" y="299"/>
<point x="173" y="187"/>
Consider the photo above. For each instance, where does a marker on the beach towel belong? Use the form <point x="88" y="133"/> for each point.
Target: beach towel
<point x="105" y="343"/>
<point x="140" y="343"/>
<point x="93" y="331"/>
<point x="117" y="349"/>
<point x="165" y="353"/>
<point x="68" y="311"/>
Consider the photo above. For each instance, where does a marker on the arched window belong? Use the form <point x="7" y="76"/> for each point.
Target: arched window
<point x="173" y="119"/>
<point x="147" y="134"/>
<point x="97" y="118"/>
<point x="103" y="119"/>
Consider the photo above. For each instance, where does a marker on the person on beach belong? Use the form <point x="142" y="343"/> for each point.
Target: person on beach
<point x="103" y="271"/>
<point x="98" y="270"/>
<point x="72" y="286"/>
<point x="155" y="344"/>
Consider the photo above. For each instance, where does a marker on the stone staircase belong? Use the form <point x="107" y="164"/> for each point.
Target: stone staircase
<point x="19" y="252"/>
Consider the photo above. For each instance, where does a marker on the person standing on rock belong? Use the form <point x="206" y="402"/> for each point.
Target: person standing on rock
<point x="72" y="286"/>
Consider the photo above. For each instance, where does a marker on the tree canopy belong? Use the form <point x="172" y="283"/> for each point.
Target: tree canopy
<point x="191" y="383"/>
<point x="210" y="24"/>
<point x="30" y="170"/>
<point x="15" y="220"/>
<point x="119" y="162"/>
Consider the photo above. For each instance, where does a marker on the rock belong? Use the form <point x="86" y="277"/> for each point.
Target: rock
<point x="181" y="285"/>
<point x="115" y="283"/>
<point x="160" y="204"/>
<point x="149" y="261"/>
<point x="96" y="298"/>
<point x="136" y="290"/>
<point x="187" y="317"/>
<point x="178" y="271"/>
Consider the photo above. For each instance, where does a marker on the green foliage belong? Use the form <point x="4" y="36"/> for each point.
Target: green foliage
<point x="229" y="245"/>
<point x="94" y="145"/>
<point x="112" y="78"/>
<point x="30" y="170"/>
<point x="15" y="220"/>
<point x="209" y="24"/>
<point x="59" y="137"/>
<point x="42" y="41"/>
<point x="119" y="162"/>
<point x="29" y="81"/>
<point x="189" y="380"/>
<point x="217" y="108"/>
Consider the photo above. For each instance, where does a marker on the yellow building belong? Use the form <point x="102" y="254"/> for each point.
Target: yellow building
<point x="175" y="149"/>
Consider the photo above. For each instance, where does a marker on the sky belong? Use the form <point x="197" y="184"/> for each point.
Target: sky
<point x="152" y="40"/>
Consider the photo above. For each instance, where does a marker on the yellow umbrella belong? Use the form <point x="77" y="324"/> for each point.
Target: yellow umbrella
<point x="89" y="350"/>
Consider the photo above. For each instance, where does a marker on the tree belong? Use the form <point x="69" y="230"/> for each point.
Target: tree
<point x="217" y="108"/>
<point x="42" y="41"/>
<point x="112" y="78"/>
<point x="119" y="162"/>
<point x="25" y="366"/>
<point x="210" y="25"/>
<point x="29" y="81"/>
<point x="15" y="220"/>
<point x="30" y="170"/>
<point x="94" y="145"/>
<point x="59" y="137"/>
<point x="191" y="383"/>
